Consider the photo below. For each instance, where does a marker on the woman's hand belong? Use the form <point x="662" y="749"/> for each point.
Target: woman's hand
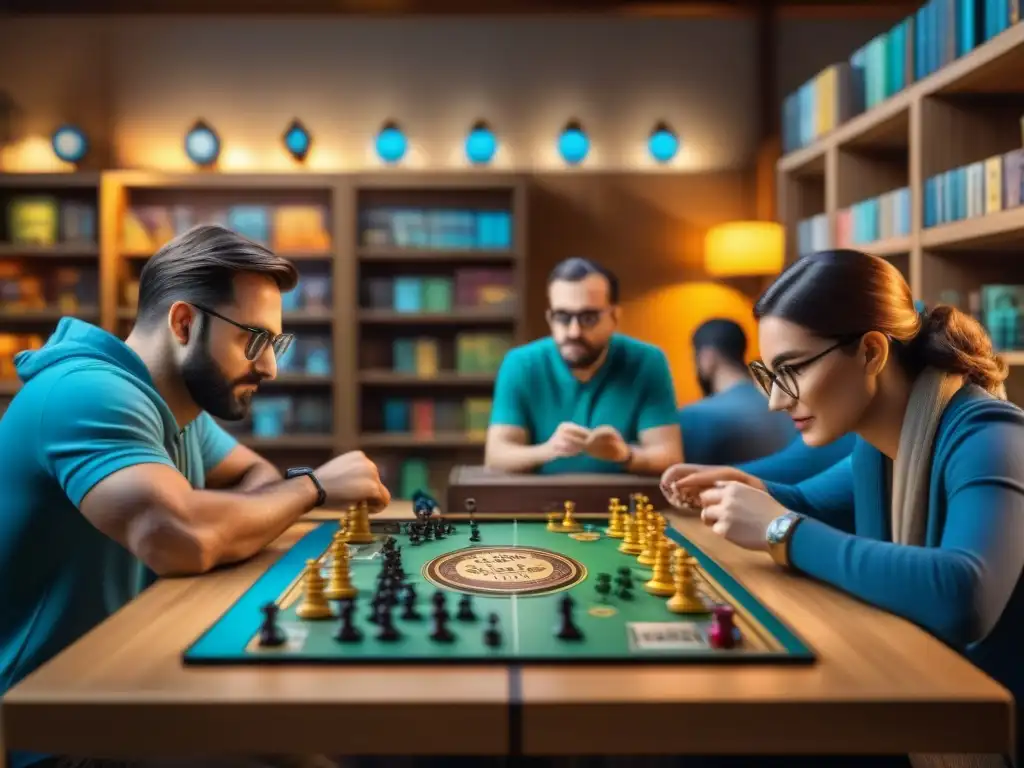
<point x="739" y="513"/>
<point x="682" y="484"/>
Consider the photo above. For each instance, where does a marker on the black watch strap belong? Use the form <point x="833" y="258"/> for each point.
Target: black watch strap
<point x="321" y="494"/>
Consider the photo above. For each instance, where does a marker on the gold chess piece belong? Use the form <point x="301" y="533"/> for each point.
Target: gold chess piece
<point x="339" y="586"/>
<point x="569" y="522"/>
<point x="554" y="522"/>
<point x="687" y="598"/>
<point x="655" y="533"/>
<point x="359" y="524"/>
<point x="344" y="523"/>
<point x="642" y="519"/>
<point x="631" y="540"/>
<point x="616" y="530"/>
<point x="314" y="603"/>
<point x="661" y="580"/>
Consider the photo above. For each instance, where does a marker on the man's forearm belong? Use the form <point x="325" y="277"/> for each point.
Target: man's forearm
<point x="205" y="529"/>
<point x="511" y="457"/>
<point x="652" y="459"/>
<point x="260" y="474"/>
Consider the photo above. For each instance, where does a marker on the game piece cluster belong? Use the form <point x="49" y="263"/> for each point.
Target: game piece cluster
<point x="673" y="574"/>
<point x="674" y="571"/>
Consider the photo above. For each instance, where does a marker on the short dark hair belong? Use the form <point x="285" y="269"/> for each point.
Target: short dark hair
<point x="722" y="335"/>
<point x="199" y="266"/>
<point x="575" y="269"/>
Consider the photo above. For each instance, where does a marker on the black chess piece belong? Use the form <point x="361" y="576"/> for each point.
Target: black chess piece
<point x="465" y="612"/>
<point x="348" y="632"/>
<point x="414" y="538"/>
<point x="271" y="635"/>
<point x="441" y="633"/>
<point x="409" y="612"/>
<point x="603" y="586"/>
<point x="492" y="635"/>
<point x="567" y="629"/>
<point x="440" y="601"/>
<point x="474" y="535"/>
<point x="375" y="604"/>
<point x="388" y="632"/>
<point x="409" y="592"/>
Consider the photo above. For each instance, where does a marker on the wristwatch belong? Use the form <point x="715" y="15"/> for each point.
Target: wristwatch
<point x="628" y="461"/>
<point x="780" y="531"/>
<point x="321" y="494"/>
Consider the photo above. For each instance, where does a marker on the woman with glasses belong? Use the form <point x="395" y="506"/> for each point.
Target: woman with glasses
<point x="926" y="519"/>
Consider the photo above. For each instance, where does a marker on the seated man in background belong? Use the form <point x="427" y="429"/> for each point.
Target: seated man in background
<point x="732" y="423"/>
<point x="585" y="399"/>
<point x="114" y="469"/>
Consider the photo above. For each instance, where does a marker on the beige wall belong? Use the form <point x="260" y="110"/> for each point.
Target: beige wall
<point x="137" y="84"/>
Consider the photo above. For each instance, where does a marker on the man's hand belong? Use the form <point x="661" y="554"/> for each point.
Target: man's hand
<point x="568" y="440"/>
<point x="352" y="478"/>
<point x="606" y="443"/>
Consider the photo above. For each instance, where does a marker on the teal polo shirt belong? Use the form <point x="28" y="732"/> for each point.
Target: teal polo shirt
<point x="632" y="391"/>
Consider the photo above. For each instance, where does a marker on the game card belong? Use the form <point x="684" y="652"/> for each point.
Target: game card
<point x="665" y="636"/>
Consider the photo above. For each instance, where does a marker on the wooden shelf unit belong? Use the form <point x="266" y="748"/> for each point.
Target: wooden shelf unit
<point x="142" y="210"/>
<point x="49" y="261"/>
<point x="962" y="115"/>
<point x="474" y="224"/>
<point x="439" y="289"/>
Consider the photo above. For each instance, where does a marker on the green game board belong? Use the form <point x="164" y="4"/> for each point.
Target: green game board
<point x="614" y="630"/>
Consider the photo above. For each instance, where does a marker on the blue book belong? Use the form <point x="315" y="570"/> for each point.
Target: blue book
<point x="408" y="294"/>
<point x="397" y="415"/>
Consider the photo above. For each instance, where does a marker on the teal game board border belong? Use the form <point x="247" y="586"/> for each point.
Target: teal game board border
<point x="796" y="649"/>
<point x="226" y="640"/>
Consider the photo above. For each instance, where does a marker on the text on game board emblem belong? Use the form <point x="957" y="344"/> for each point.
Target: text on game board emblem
<point x="504" y="566"/>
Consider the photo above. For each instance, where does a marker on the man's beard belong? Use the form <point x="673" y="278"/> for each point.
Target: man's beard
<point x="705" y="385"/>
<point x="589" y="355"/>
<point x="211" y="390"/>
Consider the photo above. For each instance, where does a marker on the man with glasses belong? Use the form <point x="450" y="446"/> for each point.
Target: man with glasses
<point x="113" y="468"/>
<point x="586" y="398"/>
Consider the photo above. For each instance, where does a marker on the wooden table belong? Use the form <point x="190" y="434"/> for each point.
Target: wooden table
<point x="880" y="685"/>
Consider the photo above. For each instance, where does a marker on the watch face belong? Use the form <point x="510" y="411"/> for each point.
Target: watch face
<point x="778" y="527"/>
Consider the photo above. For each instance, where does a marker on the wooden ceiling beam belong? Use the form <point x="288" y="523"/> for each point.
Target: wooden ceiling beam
<point x="632" y="8"/>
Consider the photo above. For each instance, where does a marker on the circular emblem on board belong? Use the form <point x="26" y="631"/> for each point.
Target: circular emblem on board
<point x="504" y="571"/>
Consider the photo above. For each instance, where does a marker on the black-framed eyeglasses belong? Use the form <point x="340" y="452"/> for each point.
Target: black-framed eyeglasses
<point x="259" y="338"/>
<point x="587" y="318"/>
<point x="785" y="375"/>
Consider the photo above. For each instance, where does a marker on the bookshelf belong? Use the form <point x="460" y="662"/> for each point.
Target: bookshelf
<point x="295" y="418"/>
<point x="439" y="282"/>
<point x="49" y="260"/>
<point x="930" y="177"/>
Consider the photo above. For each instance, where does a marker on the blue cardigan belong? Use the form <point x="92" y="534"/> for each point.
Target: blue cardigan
<point x="964" y="585"/>
<point x="798" y="461"/>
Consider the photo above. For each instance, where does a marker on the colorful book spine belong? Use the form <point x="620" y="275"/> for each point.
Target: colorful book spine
<point x="934" y="36"/>
<point x="877" y="218"/>
<point x="976" y="189"/>
<point x="813" y="235"/>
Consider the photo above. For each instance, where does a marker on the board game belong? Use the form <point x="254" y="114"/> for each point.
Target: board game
<point x="625" y="589"/>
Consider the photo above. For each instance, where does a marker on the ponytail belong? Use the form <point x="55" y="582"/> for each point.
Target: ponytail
<point x="954" y="342"/>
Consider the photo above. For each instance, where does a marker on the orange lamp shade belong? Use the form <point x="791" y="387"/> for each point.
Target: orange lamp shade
<point x="744" y="248"/>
